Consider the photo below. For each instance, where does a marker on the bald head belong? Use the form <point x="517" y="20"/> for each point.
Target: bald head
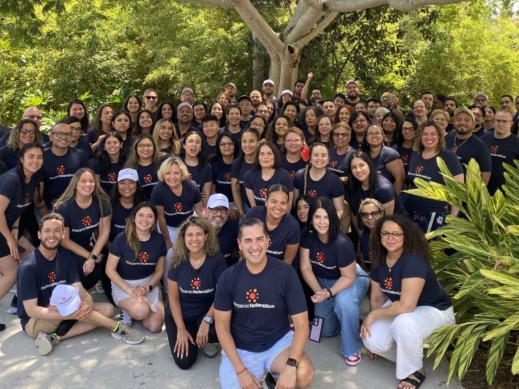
<point x="256" y="98"/>
<point x="34" y="114"/>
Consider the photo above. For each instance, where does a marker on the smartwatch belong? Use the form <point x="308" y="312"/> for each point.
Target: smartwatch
<point x="208" y="319"/>
<point x="93" y="256"/>
<point x="292" y="362"/>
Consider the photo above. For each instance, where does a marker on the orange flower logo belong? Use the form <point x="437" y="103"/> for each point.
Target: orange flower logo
<point x="388" y="283"/>
<point x="189" y="176"/>
<point x="143" y="257"/>
<point x="179" y="207"/>
<point x="148" y="179"/>
<point x="405" y="159"/>
<point x="312" y="193"/>
<point x="252" y="295"/>
<point x="52" y="276"/>
<point x="333" y="164"/>
<point x="263" y="193"/>
<point x="320" y="257"/>
<point x="419" y="169"/>
<point x="454" y="149"/>
<point x="493" y="149"/>
<point x="60" y="169"/>
<point x="227" y="176"/>
<point x="196" y="283"/>
<point x="87" y="220"/>
<point x="26" y="198"/>
<point x="112" y="176"/>
<point x="293" y="174"/>
<point x="211" y="157"/>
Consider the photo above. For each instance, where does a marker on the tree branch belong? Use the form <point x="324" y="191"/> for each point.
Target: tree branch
<point x="300" y="10"/>
<point x="356" y="5"/>
<point x="303" y="26"/>
<point x="317" y="30"/>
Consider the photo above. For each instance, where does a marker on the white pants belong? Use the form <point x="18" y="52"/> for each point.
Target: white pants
<point x="173" y="232"/>
<point x="401" y="339"/>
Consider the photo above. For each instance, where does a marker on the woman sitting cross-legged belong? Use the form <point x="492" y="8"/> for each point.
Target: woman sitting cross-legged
<point x="135" y="265"/>
<point x="196" y="267"/>
<point x="328" y="266"/>
<point x="407" y="301"/>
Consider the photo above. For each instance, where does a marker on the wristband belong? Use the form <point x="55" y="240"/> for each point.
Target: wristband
<point x="330" y="292"/>
<point x="241" y="371"/>
<point x="15" y="228"/>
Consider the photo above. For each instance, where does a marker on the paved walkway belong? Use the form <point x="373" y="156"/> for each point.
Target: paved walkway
<point x="97" y="361"/>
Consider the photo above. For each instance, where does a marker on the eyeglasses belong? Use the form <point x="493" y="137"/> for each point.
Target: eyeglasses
<point x="366" y="215"/>
<point x="374" y="134"/>
<point x="478" y="115"/>
<point x="221" y="210"/>
<point x="499" y="121"/>
<point x="408" y="129"/>
<point x="75" y="129"/>
<point x="147" y="145"/>
<point x="341" y="134"/>
<point x="257" y="125"/>
<point x="25" y="131"/>
<point x="395" y="235"/>
<point x="150" y="97"/>
<point x="293" y="141"/>
<point x="360" y="121"/>
<point x="226" y="144"/>
<point x="32" y="117"/>
<point x="60" y="134"/>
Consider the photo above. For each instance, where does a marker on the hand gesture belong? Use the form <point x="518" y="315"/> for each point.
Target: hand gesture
<point x="310" y="76"/>
<point x="287" y="378"/>
<point x="83" y="311"/>
<point x="320" y="296"/>
<point x="182" y="345"/>
<point x="88" y="266"/>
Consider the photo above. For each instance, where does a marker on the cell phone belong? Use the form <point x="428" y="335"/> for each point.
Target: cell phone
<point x="317" y="329"/>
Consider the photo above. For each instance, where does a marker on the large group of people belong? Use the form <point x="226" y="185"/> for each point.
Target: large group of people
<point x="240" y="221"/>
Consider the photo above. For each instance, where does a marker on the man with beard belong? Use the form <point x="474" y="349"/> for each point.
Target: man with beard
<point x="231" y="91"/>
<point x="256" y="99"/>
<point x="352" y="93"/>
<point x="52" y="316"/>
<point x="268" y="92"/>
<point x="481" y="99"/>
<point x="298" y="89"/>
<point x="226" y="228"/>
<point x="427" y="98"/>
<point x="316" y="96"/>
<point x="450" y="106"/>
<point x="185" y="118"/>
<point x="479" y="117"/>
<point x="466" y="145"/>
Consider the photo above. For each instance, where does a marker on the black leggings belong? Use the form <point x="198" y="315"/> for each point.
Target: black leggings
<point x="192" y="327"/>
<point x="89" y="281"/>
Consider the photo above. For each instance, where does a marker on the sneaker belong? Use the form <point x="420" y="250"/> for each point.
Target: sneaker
<point x="99" y="288"/>
<point x="128" y="334"/>
<point x="45" y="343"/>
<point x="125" y="317"/>
<point x="269" y="382"/>
<point x="13" y="311"/>
<point x="353" y="360"/>
<point x="210" y="350"/>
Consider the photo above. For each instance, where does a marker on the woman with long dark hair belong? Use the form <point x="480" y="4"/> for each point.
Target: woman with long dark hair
<point x="133" y="104"/>
<point x="277" y="130"/>
<point x="370" y="211"/>
<point x="390" y="124"/>
<point x="220" y="111"/>
<point x="324" y="131"/>
<point x="194" y="157"/>
<point x="166" y="110"/>
<point x="109" y="161"/>
<point x="135" y="266"/>
<point x="77" y="108"/>
<point x="359" y="122"/>
<point x="407" y="301"/>
<point x="102" y="126"/>
<point x="329" y="268"/>
<point x="308" y="121"/>
<point x="226" y="152"/>
<point x="303" y="204"/>
<point x="121" y="123"/>
<point x="405" y="139"/>
<point x="199" y="111"/>
<point x="144" y="123"/>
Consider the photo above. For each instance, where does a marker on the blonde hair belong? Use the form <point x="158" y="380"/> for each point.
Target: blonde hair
<point x="70" y="192"/>
<point x="174" y="141"/>
<point x="180" y="251"/>
<point x="166" y="167"/>
<point x="418" y="146"/>
<point x="437" y="112"/>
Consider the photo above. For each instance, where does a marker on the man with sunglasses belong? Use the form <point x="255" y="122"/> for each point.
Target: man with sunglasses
<point x="61" y="162"/>
<point x="226" y="228"/>
<point x="151" y="100"/>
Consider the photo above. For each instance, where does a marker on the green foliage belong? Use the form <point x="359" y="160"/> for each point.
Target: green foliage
<point x="482" y="277"/>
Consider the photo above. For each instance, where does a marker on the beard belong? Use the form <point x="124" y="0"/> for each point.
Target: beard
<point x="49" y="247"/>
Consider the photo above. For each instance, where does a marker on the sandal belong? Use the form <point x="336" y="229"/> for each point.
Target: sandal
<point x="414" y="382"/>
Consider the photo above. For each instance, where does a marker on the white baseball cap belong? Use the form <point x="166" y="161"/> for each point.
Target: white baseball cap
<point x="287" y="91"/>
<point x="130" y="174"/>
<point x="218" y="200"/>
<point x="231" y="84"/>
<point x="269" y="81"/>
<point x="66" y="299"/>
<point x="184" y="104"/>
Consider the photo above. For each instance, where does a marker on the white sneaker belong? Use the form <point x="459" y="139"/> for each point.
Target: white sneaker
<point x="125" y="317"/>
<point x="45" y="343"/>
<point x="210" y="350"/>
<point x="12" y="311"/>
<point x="99" y="288"/>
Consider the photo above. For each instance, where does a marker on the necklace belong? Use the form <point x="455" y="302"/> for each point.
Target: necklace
<point x="456" y="147"/>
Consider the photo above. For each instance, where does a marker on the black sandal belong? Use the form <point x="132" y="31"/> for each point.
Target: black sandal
<point x="414" y="382"/>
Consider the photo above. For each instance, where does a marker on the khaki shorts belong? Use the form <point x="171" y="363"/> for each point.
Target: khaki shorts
<point x="34" y="326"/>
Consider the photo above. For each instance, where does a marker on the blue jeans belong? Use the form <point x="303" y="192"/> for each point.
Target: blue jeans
<point x="341" y="312"/>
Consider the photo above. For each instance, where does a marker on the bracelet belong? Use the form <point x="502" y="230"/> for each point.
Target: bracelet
<point x="15" y="228"/>
<point x="329" y="291"/>
<point x="241" y="371"/>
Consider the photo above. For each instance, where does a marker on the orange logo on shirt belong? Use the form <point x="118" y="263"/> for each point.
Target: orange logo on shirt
<point x="320" y="257"/>
<point x="388" y="283"/>
<point x="269" y="241"/>
<point x="333" y="164"/>
<point x="60" y="169"/>
<point x="143" y="257"/>
<point x="252" y="295"/>
<point x="148" y="179"/>
<point x="263" y="193"/>
<point x="454" y="149"/>
<point x="26" y="198"/>
<point x="211" y="157"/>
<point x="312" y="193"/>
<point x="419" y="169"/>
<point x="227" y="176"/>
<point x="189" y="176"/>
<point x="493" y="149"/>
<point x="112" y="176"/>
<point x="293" y="174"/>
<point x="405" y="159"/>
<point x="52" y="276"/>
<point x="179" y="207"/>
<point x="87" y="220"/>
<point x="196" y="283"/>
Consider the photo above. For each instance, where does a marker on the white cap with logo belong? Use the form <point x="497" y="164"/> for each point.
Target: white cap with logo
<point x="66" y="299"/>
<point x="130" y="174"/>
<point x="218" y="200"/>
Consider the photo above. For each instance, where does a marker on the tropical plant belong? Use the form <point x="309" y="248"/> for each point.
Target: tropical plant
<point x="482" y="276"/>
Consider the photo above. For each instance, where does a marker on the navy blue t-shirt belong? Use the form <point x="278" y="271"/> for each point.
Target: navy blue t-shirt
<point x="384" y="192"/>
<point x="339" y="163"/>
<point x="481" y="132"/>
<point x="210" y="151"/>
<point x="120" y="217"/>
<point x="200" y="176"/>
<point x="327" y="259"/>
<point x="386" y="155"/>
<point x="470" y="148"/>
<point x="227" y="239"/>
<point x="501" y="151"/>
<point x="405" y="154"/>
<point x="291" y="168"/>
<point x="197" y="286"/>
<point x="132" y="267"/>
<point x="329" y="186"/>
<point x="259" y="187"/>
<point x="91" y="137"/>
<point x="19" y="200"/>
<point x="260" y="303"/>
<point x="108" y="178"/>
<point x="428" y="170"/>
<point x="82" y="222"/>
<point x="222" y="178"/>
<point x="287" y="232"/>
<point x="57" y="172"/>
<point x="364" y="247"/>
<point x="148" y="178"/>
<point x="411" y="265"/>
<point x="239" y="174"/>
<point x="176" y="208"/>
<point x="37" y="278"/>
<point x="10" y="157"/>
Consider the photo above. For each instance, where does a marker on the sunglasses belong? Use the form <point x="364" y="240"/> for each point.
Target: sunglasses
<point x="150" y="97"/>
<point x="366" y="215"/>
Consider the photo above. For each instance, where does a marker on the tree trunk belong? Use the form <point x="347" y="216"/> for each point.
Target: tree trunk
<point x="284" y="70"/>
<point x="258" y="65"/>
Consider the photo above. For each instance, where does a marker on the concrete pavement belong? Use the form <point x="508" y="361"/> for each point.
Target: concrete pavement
<point x="96" y="360"/>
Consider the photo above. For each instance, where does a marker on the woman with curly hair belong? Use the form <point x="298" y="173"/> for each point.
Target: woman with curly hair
<point x="278" y="129"/>
<point x="26" y="131"/>
<point x="407" y="301"/>
<point x="166" y="110"/>
<point x="135" y="265"/>
<point x="195" y="270"/>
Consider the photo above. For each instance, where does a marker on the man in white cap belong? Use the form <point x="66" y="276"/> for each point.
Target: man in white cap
<point x="268" y="92"/>
<point x="481" y="99"/>
<point x="187" y="96"/>
<point x="226" y="228"/>
<point x="40" y="273"/>
<point x="231" y="91"/>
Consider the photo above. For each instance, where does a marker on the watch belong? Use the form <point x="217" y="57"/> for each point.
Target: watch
<point x="208" y="319"/>
<point x="93" y="256"/>
<point x="292" y="362"/>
